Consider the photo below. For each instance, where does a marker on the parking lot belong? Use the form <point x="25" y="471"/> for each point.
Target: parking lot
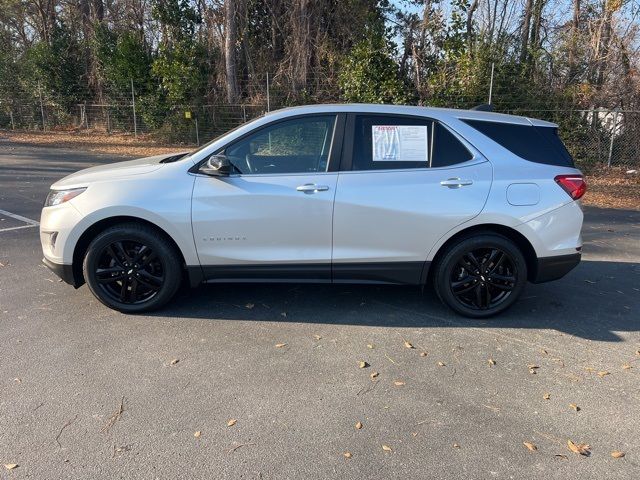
<point x="264" y="381"/>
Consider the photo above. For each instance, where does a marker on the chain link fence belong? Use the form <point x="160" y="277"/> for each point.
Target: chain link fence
<point x="594" y="136"/>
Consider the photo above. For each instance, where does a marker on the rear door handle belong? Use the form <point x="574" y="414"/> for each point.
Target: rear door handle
<point x="455" y="183"/>
<point x="312" y="188"/>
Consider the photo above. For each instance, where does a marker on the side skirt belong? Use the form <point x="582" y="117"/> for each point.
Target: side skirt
<point x="394" y="273"/>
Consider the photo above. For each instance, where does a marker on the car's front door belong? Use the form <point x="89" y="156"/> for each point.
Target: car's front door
<point x="273" y="218"/>
<point x="408" y="181"/>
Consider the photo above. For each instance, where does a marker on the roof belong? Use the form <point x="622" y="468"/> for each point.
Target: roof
<point x="435" y="112"/>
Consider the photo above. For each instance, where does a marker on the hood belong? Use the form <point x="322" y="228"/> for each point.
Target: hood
<point x="113" y="171"/>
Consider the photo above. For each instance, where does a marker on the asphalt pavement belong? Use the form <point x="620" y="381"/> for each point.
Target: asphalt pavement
<point x="89" y="393"/>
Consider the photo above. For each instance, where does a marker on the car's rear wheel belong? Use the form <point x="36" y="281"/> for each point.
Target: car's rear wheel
<point x="132" y="268"/>
<point x="480" y="276"/>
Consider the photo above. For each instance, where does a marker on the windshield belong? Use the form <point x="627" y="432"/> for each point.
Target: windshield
<point x="222" y="135"/>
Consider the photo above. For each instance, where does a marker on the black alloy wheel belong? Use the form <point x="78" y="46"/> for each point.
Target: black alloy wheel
<point x="480" y="276"/>
<point x="132" y="268"/>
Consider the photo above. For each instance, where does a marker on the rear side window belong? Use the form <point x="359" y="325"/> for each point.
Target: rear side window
<point x="386" y="142"/>
<point x="533" y="143"/>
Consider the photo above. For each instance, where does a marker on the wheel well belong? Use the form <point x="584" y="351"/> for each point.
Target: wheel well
<point x="516" y="237"/>
<point x="90" y="233"/>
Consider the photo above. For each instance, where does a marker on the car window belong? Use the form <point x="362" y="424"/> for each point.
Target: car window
<point x="383" y="142"/>
<point x="298" y="145"/>
<point x="533" y="143"/>
<point x="447" y="149"/>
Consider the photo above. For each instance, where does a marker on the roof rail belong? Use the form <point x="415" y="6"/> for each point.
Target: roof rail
<point x="485" y="107"/>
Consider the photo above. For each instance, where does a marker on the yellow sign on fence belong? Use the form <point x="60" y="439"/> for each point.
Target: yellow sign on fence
<point x="187" y="114"/>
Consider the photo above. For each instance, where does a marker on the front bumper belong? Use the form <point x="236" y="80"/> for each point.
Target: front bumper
<point x="552" y="268"/>
<point x="65" y="272"/>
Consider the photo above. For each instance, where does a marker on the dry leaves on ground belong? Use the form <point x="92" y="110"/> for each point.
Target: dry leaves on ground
<point x="10" y="466"/>
<point x="579" y="448"/>
<point x="362" y="364"/>
<point x="617" y="454"/>
<point x="232" y="422"/>
<point x="546" y="396"/>
<point x="408" y="344"/>
<point x="197" y="434"/>
<point x="603" y="373"/>
<point x="358" y="426"/>
<point x="399" y="383"/>
<point x="174" y="361"/>
<point x="374" y="375"/>
<point x="575" y="407"/>
<point x="531" y="446"/>
<point x="387" y="448"/>
<point x="491" y="362"/>
<point x="281" y="345"/>
<point x="347" y="455"/>
<point x="442" y="364"/>
<point x="423" y="354"/>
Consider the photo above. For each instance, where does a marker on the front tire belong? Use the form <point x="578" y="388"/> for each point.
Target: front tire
<point x="132" y="268"/>
<point x="480" y="276"/>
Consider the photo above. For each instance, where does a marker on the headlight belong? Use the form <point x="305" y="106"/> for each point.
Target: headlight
<point x="56" y="197"/>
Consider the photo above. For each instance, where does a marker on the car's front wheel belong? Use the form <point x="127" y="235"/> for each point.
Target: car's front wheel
<point x="132" y="268"/>
<point x="480" y="276"/>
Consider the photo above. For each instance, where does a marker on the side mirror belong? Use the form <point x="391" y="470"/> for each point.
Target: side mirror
<point x="217" y="166"/>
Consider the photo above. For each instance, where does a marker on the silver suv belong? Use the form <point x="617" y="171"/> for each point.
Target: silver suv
<point x="476" y="203"/>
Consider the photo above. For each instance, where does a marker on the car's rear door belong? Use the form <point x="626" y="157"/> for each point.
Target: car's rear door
<point x="273" y="219"/>
<point x="404" y="183"/>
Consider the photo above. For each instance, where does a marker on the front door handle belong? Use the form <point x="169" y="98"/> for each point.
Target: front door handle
<point x="312" y="188"/>
<point x="455" y="183"/>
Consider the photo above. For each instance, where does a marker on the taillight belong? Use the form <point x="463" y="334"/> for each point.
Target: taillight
<point x="574" y="185"/>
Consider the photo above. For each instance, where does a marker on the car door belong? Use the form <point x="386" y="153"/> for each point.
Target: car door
<point x="273" y="218"/>
<point x="405" y="182"/>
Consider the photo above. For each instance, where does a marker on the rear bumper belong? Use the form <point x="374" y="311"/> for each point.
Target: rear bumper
<point x="65" y="272"/>
<point x="553" y="268"/>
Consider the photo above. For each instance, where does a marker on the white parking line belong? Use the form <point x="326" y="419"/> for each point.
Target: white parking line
<point x="19" y="217"/>
<point x="17" y="228"/>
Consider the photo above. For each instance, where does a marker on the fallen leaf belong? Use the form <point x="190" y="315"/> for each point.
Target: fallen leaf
<point x="617" y="454"/>
<point x="374" y="375"/>
<point x="280" y="345"/>
<point x="441" y="364"/>
<point x="423" y="354"/>
<point x="579" y="448"/>
<point x="415" y="434"/>
<point x="590" y="369"/>
<point x="455" y="445"/>
<point x="369" y="345"/>
<point x="174" y="361"/>
<point x="543" y="351"/>
<point x="408" y="344"/>
<point x="532" y="447"/>
<point x="17" y="380"/>
<point x="362" y="364"/>
<point x="603" y="373"/>
<point x="347" y="455"/>
<point x="249" y="306"/>
<point x="399" y="383"/>
<point x="386" y="448"/>
<point x="532" y="366"/>
<point x="563" y="457"/>
<point x="638" y="353"/>
<point x="10" y="466"/>
<point x="197" y="434"/>
<point x="575" y="407"/>
<point x="359" y="426"/>
<point x="546" y="396"/>
<point x="231" y="422"/>
<point x="626" y="366"/>
<point x="318" y="337"/>
<point x="491" y="362"/>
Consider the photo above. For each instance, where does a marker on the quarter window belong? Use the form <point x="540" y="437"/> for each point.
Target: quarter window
<point x="383" y="142"/>
<point x="299" y="145"/>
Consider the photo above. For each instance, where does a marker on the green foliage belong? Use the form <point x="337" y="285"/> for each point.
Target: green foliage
<point x="370" y="75"/>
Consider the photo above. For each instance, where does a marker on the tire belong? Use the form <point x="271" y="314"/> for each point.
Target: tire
<point x="480" y="276"/>
<point x="132" y="268"/>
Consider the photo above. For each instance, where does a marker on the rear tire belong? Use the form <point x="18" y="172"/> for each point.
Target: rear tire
<point x="132" y="268"/>
<point x="480" y="276"/>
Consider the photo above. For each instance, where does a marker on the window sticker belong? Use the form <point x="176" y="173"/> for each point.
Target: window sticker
<point x="400" y="143"/>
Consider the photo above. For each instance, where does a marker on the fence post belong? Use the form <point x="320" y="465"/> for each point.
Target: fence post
<point x="44" y="126"/>
<point x="613" y="133"/>
<point x="13" y="125"/>
<point x="197" y="132"/>
<point x="491" y="83"/>
<point x="133" y="103"/>
<point x="268" y="100"/>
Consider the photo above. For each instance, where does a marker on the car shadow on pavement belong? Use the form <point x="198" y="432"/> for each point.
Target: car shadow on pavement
<point x="594" y="301"/>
